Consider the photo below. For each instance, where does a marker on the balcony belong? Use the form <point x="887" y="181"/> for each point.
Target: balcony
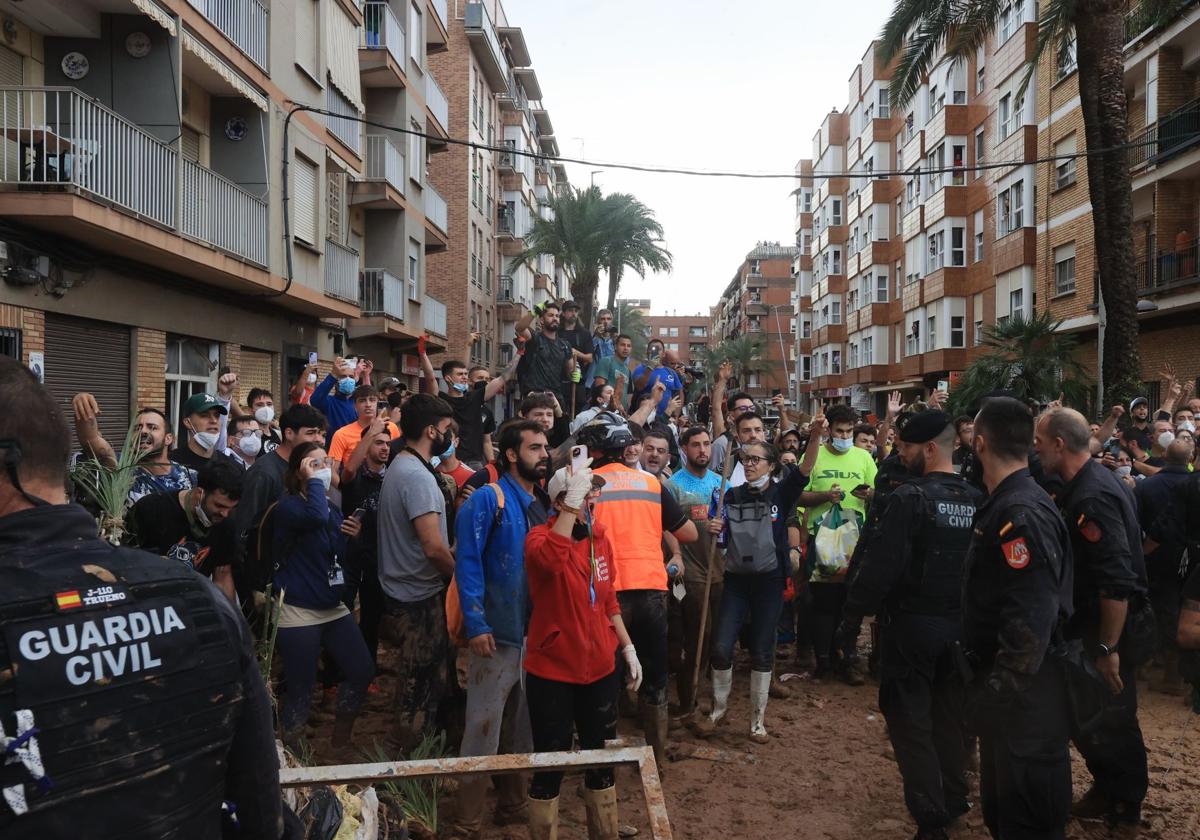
<point x="506" y="222"/>
<point x="217" y="211"/>
<point x="1167" y="271"/>
<point x="383" y="183"/>
<point x="343" y="123"/>
<point x="341" y="272"/>
<point x="1171" y="136"/>
<point x="436" y="210"/>
<point x="506" y="162"/>
<point x="439" y="107"/>
<point x="246" y="23"/>
<point x="382" y="49"/>
<point x="433" y="316"/>
<point x="437" y="26"/>
<point x="482" y="34"/>
<point x="382" y="294"/>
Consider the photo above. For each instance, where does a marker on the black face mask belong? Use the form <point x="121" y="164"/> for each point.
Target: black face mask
<point x="579" y="531"/>
<point x="481" y="384"/>
<point x="441" y="444"/>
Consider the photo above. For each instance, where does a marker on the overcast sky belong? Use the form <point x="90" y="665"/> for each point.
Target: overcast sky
<point x="707" y="84"/>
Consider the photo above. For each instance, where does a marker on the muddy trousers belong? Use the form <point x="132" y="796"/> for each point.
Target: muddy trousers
<point x="644" y="612"/>
<point x="301" y="647"/>
<point x="559" y="711"/>
<point x="417" y="629"/>
<point x="1025" y="761"/>
<point x="1115" y="751"/>
<point x="921" y="699"/>
<point x="689" y="609"/>
<point x="497" y="722"/>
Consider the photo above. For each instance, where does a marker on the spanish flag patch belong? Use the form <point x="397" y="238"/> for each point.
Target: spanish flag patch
<point x="67" y="600"/>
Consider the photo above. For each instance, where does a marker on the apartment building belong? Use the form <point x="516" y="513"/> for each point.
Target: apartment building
<point x="912" y="257"/>
<point x="760" y="301"/>
<point x="154" y="228"/>
<point x="687" y="335"/>
<point x="802" y="293"/>
<point x="1162" y="79"/>
<point x="494" y="100"/>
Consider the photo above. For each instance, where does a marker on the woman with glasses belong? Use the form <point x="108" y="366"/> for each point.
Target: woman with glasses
<point x="309" y="541"/>
<point x="752" y="530"/>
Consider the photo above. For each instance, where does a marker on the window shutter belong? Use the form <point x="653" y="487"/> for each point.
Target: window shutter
<point x="304" y="200"/>
<point x="337" y="227"/>
<point x="189" y="140"/>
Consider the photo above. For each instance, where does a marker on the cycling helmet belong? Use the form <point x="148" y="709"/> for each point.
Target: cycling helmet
<point x="607" y="432"/>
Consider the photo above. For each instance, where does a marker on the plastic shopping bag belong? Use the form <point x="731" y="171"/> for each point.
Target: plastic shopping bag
<point x="836" y="536"/>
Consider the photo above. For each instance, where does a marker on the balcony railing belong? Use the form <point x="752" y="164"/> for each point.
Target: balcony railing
<point x="218" y="211"/>
<point x="382" y="30"/>
<point x="343" y="126"/>
<point x="59" y="136"/>
<point x="440" y="7"/>
<point x="1167" y="270"/>
<point x="385" y="162"/>
<point x="244" y="22"/>
<point x="489" y="275"/>
<point x="382" y="293"/>
<point x="436" y="210"/>
<point x="506" y="221"/>
<point x="436" y="100"/>
<point x="505" y="291"/>
<point x="508" y="160"/>
<point x="433" y="315"/>
<point x="1174" y="134"/>
<point x="341" y="272"/>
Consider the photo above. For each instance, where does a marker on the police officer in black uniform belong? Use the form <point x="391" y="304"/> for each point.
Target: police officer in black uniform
<point x="1017" y="584"/>
<point x="130" y="700"/>
<point x="911" y="576"/>
<point x="1113" y="618"/>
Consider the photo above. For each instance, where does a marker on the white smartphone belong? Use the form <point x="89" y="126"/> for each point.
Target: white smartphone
<point x="579" y="457"/>
<point x="352" y="361"/>
<point x="944" y="385"/>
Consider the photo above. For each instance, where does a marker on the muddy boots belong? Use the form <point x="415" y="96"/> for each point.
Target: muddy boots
<point x="543" y="819"/>
<point x="601" y="813"/>
<point x="655" y="722"/>
<point x="722" y="682"/>
<point x="760" y="691"/>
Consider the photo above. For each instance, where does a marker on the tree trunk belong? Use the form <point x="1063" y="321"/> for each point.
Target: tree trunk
<point x="1100" y="32"/>
<point x="614" y="282"/>
<point x="583" y="292"/>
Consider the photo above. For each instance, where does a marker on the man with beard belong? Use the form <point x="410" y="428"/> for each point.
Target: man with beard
<point x="580" y="342"/>
<point x="656" y="452"/>
<point x="492" y="591"/>
<point x="156" y="472"/>
<point x="695" y="487"/>
<point x="547" y="360"/>
<point x="910" y="575"/>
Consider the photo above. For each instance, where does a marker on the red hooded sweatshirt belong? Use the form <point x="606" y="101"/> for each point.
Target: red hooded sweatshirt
<point x="571" y="638"/>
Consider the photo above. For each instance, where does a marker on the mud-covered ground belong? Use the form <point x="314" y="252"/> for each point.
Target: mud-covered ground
<point x="828" y="771"/>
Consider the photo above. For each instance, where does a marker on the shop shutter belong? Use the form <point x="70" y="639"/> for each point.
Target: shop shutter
<point x="92" y="356"/>
<point x="258" y="371"/>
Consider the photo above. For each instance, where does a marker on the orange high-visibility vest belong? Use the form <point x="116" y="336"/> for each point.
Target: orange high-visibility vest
<point x="630" y="508"/>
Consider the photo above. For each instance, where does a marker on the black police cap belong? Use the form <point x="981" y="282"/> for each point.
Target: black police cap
<point x="924" y="426"/>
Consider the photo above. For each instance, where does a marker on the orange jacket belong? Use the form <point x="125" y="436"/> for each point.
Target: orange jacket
<point x="630" y="508"/>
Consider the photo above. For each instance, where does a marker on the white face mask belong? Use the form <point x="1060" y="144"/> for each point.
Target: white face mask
<point x="201" y="516"/>
<point x="760" y="482"/>
<point x="325" y="476"/>
<point x="1124" y="470"/>
<point x="249" y="445"/>
<point x="312" y="379"/>
<point x="1166" y="439"/>
<point x="1187" y="425"/>
<point x="207" y="440"/>
<point x="264" y="414"/>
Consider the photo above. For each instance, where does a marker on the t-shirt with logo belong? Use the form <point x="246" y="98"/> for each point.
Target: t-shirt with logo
<point x="177" y="478"/>
<point x="158" y="523"/>
<point x="697" y="495"/>
<point x="845" y="469"/>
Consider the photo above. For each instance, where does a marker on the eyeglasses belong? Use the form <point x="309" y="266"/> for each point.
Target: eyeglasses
<point x="249" y="433"/>
<point x="751" y="460"/>
<point x="322" y="462"/>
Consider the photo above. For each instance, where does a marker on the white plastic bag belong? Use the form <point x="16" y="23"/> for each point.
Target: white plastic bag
<point x="837" y="535"/>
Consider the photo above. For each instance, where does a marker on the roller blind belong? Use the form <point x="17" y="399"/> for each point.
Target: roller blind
<point x="304" y="200"/>
<point x="341" y="53"/>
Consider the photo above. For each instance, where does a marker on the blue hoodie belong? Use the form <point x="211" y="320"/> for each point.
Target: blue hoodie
<point x="338" y="410"/>
<point x="307" y="542"/>
<point x="489" y="562"/>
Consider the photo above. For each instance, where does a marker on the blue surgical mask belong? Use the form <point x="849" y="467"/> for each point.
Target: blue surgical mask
<point x="842" y="444"/>
<point x="346" y="386"/>
<point x="461" y="387"/>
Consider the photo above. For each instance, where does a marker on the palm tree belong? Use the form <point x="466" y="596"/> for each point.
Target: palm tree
<point x="919" y="29"/>
<point x="634" y="238"/>
<point x="630" y="321"/>
<point x="746" y="354"/>
<point x="1031" y="359"/>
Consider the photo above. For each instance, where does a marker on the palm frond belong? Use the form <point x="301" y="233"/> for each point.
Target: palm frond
<point x="107" y="487"/>
<point x="925" y="35"/>
<point x="1056" y="26"/>
<point x="976" y="21"/>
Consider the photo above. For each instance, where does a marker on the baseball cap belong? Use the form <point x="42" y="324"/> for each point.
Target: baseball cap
<point x="1136" y="401"/>
<point x="390" y="382"/>
<point x="199" y="403"/>
<point x="570" y="304"/>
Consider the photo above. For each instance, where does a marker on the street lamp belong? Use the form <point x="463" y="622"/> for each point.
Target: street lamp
<point x="595" y="172"/>
<point x="795" y="398"/>
<point x="1144" y="305"/>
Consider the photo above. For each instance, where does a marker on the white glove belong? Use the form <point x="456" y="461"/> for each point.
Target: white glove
<point x="634" y="677"/>
<point x="579" y="484"/>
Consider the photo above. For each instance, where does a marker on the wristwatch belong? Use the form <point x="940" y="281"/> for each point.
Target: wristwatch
<point x="1105" y="650"/>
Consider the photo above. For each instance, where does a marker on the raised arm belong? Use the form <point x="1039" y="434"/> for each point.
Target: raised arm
<point x="500" y="381"/>
<point x="87" y="430"/>
<point x="718" y="398"/>
<point x="1110" y="423"/>
<point x="429" y="379"/>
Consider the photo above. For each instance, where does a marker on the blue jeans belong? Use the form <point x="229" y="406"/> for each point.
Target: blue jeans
<point x="759" y="596"/>
<point x="300" y="648"/>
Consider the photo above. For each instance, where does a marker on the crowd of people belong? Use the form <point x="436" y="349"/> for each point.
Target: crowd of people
<point x="537" y="578"/>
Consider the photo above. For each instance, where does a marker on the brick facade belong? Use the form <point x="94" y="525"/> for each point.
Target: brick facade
<point x="149" y="363"/>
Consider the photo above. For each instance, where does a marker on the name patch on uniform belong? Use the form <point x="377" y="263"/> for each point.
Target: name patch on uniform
<point x="69" y="655"/>
<point x="97" y="596"/>
<point x="1016" y="553"/>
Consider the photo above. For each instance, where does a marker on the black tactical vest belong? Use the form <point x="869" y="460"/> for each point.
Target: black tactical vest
<point x="932" y="583"/>
<point x="124" y="677"/>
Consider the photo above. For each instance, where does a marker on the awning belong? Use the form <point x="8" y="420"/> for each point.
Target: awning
<point x="156" y="13"/>
<point x="342" y="57"/>
<point x="897" y="386"/>
<point x="215" y="63"/>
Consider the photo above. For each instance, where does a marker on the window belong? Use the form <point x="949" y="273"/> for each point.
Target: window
<point x="10" y="343"/>
<point x="1011" y="18"/>
<point x="912" y="189"/>
<point x="674" y="332"/>
<point x="806" y="368"/>
<point x="1010" y="209"/>
<point x="931" y="334"/>
<point x="867" y="350"/>
<point x="416" y="31"/>
<point x="755" y="267"/>
<point x="958" y="250"/>
<point x="1010" y="114"/>
<point x="899" y="217"/>
<point x="1064" y="269"/>
<point x="695" y="350"/>
<point x="835" y="362"/>
<point x="958" y="331"/>
<point x="912" y="345"/>
<point x="979" y="78"/>
<point x="806" y="326"/>
<point x="305" y="219"/>
<point x="937" y="252"/>
<point x="885" y="104"/>
<point x="837" y="211"/>
<point x="935" y="162"/>
<point x="881" y="288"/>
<point x="978" y="236"/>
<point x="1065" y="64"/>
<point x="980" y="152"/>
<point x="852" y="300"/>
<point x="1064" y="167"/>
<point x="807" y="201"/>
<point x="414" y="269"/>
<point x="1016" y="303"/>
<point x="308" y="37"/>
<point x="698" y="331"/>
<point x="190" y="364"/>
<point x="958" y="154"/>
<point x="835" y="312"/>
<point x="837" y="261"/>
<point x="936" y="100"/>
<point x="674" y="345"/>
<point x="853" y="356"/>
<point x="414" y="152"/>
<point x="337" y="227"/>
<point x="663" y="331"/>
<point x="909" y="127"/>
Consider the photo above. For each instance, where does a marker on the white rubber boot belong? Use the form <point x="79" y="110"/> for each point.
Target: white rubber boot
<point x="722" y="682"/>
<point x="760" y="692"/>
